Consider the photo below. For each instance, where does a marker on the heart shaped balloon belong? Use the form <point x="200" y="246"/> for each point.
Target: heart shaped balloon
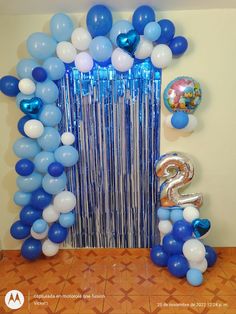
<point x="128" y="41"/>
<point x="31" y="107"/>
<point x="201" y="227"/>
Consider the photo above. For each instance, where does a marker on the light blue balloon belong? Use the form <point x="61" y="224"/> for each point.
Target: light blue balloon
<point x="22" y="198"/>
<point x="50" y="139"/>
<point x="100" y="48"/>
<point x="61" y="27"/>
<point x="66" y="155"/>
<point x="120" y="27"/>
<point x="39" y="226"/>
<point x="67" y="220"/>
<point x="26" y="148"/>
<point x="163" y="213"/>
<point x="194" y="277"/>
<point x="55" y="68"/>
<point x="176" y="214"/>
<point x="47" y="91"/>
<point x="54" y="185"/>
<point x="41" y="46"/>
<point x="29" y="183"/>
<point x="21" y="96"/>
<point x="50" y="115"/>
<point x="43" y="160"/>
<point x="152" y="31"/>
<point x="25" y="67"/>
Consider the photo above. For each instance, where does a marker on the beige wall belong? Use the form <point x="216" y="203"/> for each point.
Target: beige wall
<point x="210" y="59"/>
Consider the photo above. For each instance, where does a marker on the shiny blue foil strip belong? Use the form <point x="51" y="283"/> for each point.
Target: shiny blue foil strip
<point x="115" y="118"/>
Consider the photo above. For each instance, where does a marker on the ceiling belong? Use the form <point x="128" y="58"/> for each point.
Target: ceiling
<point x="53" y="6"/>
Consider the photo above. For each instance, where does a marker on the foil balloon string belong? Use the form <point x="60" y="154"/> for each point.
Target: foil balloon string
<point x="115" y="119"/>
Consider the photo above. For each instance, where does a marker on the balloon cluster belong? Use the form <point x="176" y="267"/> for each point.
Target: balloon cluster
<point x="180" y="226"/>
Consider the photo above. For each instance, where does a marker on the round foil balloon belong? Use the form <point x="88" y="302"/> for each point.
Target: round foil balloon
<point x="182" y="94"/>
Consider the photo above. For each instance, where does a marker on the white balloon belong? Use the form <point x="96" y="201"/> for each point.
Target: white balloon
<point x="33" y="128"/>
<point x="161" y="56"/>
<point x="49" y="248"/>
<point x="84" y="62"/>
<point x="121" y="60"/>
<point x="165" y="226"/>
<point x="81" y="38"/>
<point x="144" y="48"/>
<point x="192" y="124"/>
<point x="66" y="51"/>
<point x="190" y="213"/>
<point x="194" y="250"/>
<point x="27" y="86"/>
<point x="67" y="138"/>
<point x="202" y="265"/>
<point x="64" y="201"/>
<point x="167" y="121"/>
<point x="39" y="236"/>
<point x="50" y="214"/>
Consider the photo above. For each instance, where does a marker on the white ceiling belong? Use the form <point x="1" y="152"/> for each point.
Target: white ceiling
<point x="52" y="6"/>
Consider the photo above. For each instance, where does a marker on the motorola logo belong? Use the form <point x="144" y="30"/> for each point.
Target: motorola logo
<point x="14" y="299"/>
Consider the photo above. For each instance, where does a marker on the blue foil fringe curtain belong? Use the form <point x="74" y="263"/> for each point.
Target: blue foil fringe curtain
<point x="115" y="119"/>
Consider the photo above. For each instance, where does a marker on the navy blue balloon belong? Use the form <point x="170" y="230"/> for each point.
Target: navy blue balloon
<point x="167" y="31"/>
<point x="39" y="74"/>
<point x="9" y="85"/>
<point x="171" y="245"/>
<point x="158" y="256"/>
<point x="55" y="169"/>
<point x="178" y="45"/>
<point x="24" y="167"/>
<point x="178" y="265"/>
<point x="182" y="230"/>
<point x="141" y="17"/>
<point x="211" y="255"/>
<point x="104" y="63"/>
<point x="21" y="124"/>
<point x="19" y="230"/>
<point x="57" y="233"/>
<point x="31" y="249"/>
<point x="40" y="199"/>
<point x="99" y="20"/>
<point x="28" y="215"/>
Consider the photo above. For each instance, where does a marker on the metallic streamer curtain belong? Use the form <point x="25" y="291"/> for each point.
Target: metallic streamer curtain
<point x="115" y="119"/>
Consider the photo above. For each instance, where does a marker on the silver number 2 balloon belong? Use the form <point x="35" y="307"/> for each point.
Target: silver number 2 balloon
<point x="178" y="171"/>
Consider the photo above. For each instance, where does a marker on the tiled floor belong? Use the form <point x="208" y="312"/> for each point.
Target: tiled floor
<point x="114" y="281"/>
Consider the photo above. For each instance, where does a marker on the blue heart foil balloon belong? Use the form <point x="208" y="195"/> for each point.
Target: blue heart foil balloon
<point x="201" y="227"/>
<point x="128" y="42"/>
<point x="31" y="107"/>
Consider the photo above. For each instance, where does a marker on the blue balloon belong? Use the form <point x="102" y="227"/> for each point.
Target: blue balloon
<point x="179" y="120"/>
<point x="178" y="265"/>
<point x="99" y="20"/>
<point x="67" y="155"/>
<point x="104" y="63"/>
<point x="21" y="124"/>
<point x="40" y="199"/>
<point x="178" y="45"/>
<point x="55" y="169"/>
<point x="163" y="213"/>
<point x="141" y="17"/>
<point x="42" y="160"/>
<point x="47" y="91"/>
<point x="25" y="67"/>
<point x="194" y="277"/>
<point x="54" y="185"/>
<point x="182" y="230"/>
<point x="61" y="27"/>
<point x="100" y="48"/>
<point x="50" y="115"/>
<point x="22" y="198"/>
<point x="24" y="167"/>
<point x="176" y="214"/>
<point x="39" y="74"/>
<point x="9" y="85"/>
<point x="50" y="139"/>
<point x="55" y="68"/>
<point x="31" y="249"/>
<point x="167" y="31"/>
<point x="57" y="233"/>
<point x="158" y="256"/>
<point x="39" y="226"/>
<point x="211" y="255"/>
<point x="21" y="97"/>
<point x="119" y="27"/>
<point x="67" y="220"/>
<point x="29" y="183"/>
<point x="19" y="230"/>
<point x="26" y="148"/>
<point x="31" y="107"/>
<point x="41" y="46"/>
<point x="171" y="245"/>
<point x="152" y="31"/>
<point x="28" y="215"/>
